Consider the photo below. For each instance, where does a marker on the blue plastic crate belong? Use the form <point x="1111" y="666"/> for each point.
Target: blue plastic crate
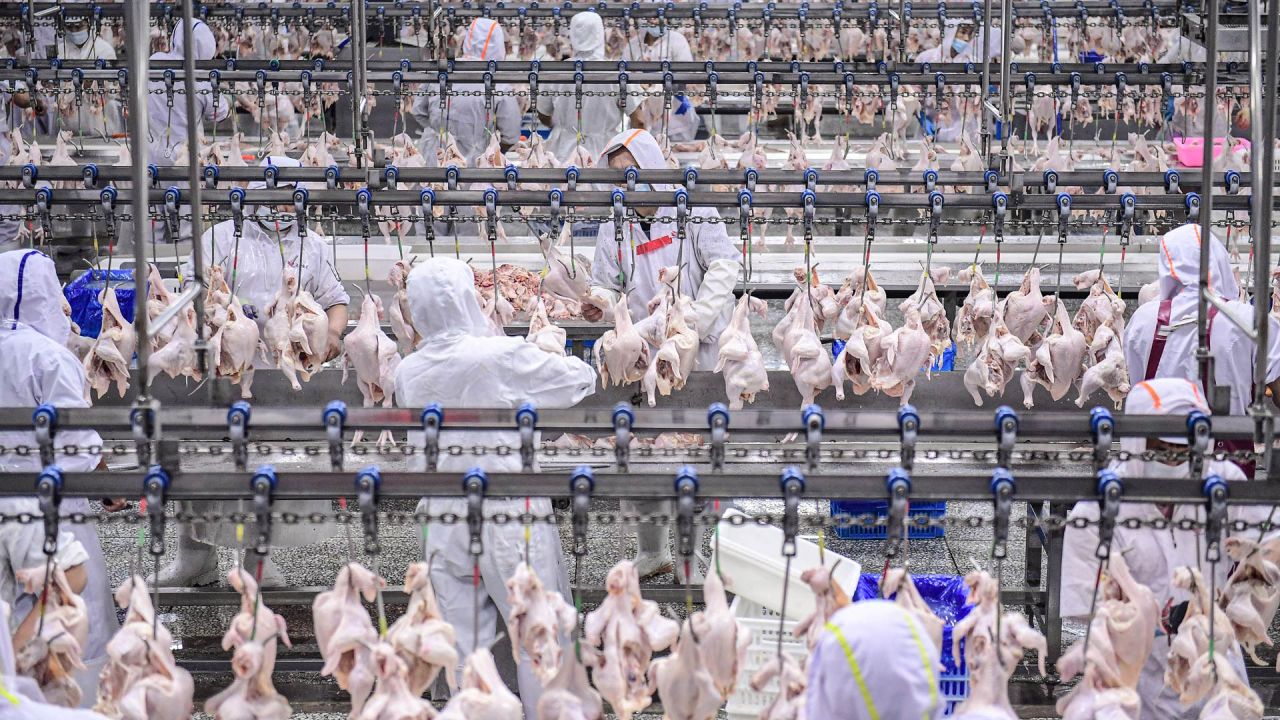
<point x="946" y="596"/>
<point x="880" y="508"/>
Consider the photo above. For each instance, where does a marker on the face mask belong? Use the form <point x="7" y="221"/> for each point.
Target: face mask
<point x="959" y="46"/>
<point x="1159" y="470"/>
<point x="78" y="37"/>
<point x="281" y="223"/>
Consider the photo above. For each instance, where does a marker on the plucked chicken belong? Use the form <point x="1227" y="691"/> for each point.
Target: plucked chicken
<point x="544" y="334"/>
<point x="900" y="586"/>
<point x="109" y="359"/>
<point x="253" y="632"/>
<point x="1101" y="307"/>
<point x="859" y="287"/>
<point x="1109" y="371"/>
<point x="569" y="695"/>
<point x="975" y="316"/>
<point x="392" y="699"/>
<point x="374" y="357"/>
<point x="568" y="274"/>
<point x="1024" y="310"/>
<point x="681" y="679"/>
<point x="407" y="337"/>
<point x="626" y="630"/>
<point x="621" y="354"/>
<point x="537" y="620"/>
<point x="907" y="351"/>
<point x="722" y="640"/>
<point x="1252" y="593"/>
<point x="54" y="653"/>
<point x="483" y="695"/>
<point x="863" y="352"/>
<point x="1229" y="696"/>
<point x="178" y="356"/>
<point x="1192" y="640"/>
<point x="1058" y="361"/>
<point x="740" y="359"/>
<point x="828" y="597"/>
<point x="141" y="680"/>
<point x="236" y="345"/>
<point x="788" y="704"/>
<point x="797" y="337"/>
<point x="345" y="634"/>
<point x="933" y="317"/>
<point x="421" y="636"/>
<point x="991" y="659"/>
<point x="677" y="353"/>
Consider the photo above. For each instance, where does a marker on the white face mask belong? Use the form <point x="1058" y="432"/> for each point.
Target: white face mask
<point x="281" y="222"/>
<point x="78" y="37"/>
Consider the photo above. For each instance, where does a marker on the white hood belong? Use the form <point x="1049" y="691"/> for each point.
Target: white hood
<point x="443" y="301"/>
<point x="204" y="46"/>
<point x="485" y="40"/>
<point x="31" y="295"/>
<point x="642" y="145"/>
<point x="1180" y="266"/>
<point x="586" y="36"/>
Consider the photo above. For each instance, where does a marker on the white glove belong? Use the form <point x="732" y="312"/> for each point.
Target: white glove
<point x="715" y="294"/>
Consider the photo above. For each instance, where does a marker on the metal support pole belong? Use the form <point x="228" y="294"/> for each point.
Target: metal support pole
<point x="193" y="179"/>
<point x="359" y="63"/>
<point x="1053" y="586"/>
<point x="1263" y="169"/>
<point x="983" y="92"/>
<point x="138" y="31"/>
<point x="1203" y="358"/>
<point x="1006" y="99"/>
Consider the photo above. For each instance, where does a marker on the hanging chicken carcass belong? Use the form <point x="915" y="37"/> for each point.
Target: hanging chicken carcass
<point x="345" y="633"/>
<point x="421" y="636"/>
<point x="483" y="694"/>
<point x="537" y="619"/>
<point x="1058" y="361"/>
<point x="990" y="656"/>
<point x="109" y="359"/>
<point x="373" y="356"/>
<point x="828" y="598"/>
<point x="974" y="318"/>
<point x="141" y="679"/>
<point x="688" y="691"/>
<point x="621" y="354"/>
<point x="740" y="359"/>
<point x="54" y="652"/>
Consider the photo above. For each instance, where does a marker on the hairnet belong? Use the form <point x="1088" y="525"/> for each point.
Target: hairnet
<point x="484" y="40"/>
<point x="586" y="36"/>
<point x="880" y="664"/>
<point x="31" y="295"/>
<point x="642" y="146"/>
<point x="443" y="301"/>
<point x="204" y="45"/>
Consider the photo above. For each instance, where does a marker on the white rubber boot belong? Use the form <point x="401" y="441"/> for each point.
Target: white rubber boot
<point x="194" y="565"/>
<point x="271" y="577"/>
<point x="654" y="555"/>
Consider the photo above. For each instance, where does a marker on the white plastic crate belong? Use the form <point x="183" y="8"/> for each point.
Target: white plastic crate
<point x="746" y="704"/>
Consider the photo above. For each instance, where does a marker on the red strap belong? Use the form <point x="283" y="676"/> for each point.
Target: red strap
<point x="652" y="245"/>
<point x="1158" y="341"/>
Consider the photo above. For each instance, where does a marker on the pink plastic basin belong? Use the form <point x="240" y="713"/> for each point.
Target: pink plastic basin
<point x="1191" y="150"/>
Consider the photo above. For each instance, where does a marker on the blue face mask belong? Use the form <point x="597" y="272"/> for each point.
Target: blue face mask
<point x="959" y="46"/>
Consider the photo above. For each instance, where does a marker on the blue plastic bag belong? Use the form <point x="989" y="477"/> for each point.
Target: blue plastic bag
<point x="946" y="596"/>
<point x="82" y="294"/>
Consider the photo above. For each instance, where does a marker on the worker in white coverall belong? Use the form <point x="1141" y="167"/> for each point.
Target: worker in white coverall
<point x="1161" y="338"/>
<point x="598" y="119"/>
<point x="167" y="114"/>
<point x="460" y="363"/>
<point x="654" y="45"/>
<point x="874" y="660"/>
<point x="39" y="369"/>
<point x="709" y="265"/>
<point x="253" y="266"/>
<point x="1152" y="555"/>
<point x="97" y="114"/>
<point x="465" y="116"/>
<point x="20" y="696"/>
<point x="959" y="45"/>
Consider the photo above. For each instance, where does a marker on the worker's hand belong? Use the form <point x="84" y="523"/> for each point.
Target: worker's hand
<point x="335" y="347"/>
<point x="591" y="313"/>
<point x="114" y="504"/>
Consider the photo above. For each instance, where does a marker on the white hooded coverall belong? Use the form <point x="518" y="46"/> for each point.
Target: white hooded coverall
<point x="682" y="120"/>
<point x="168" y="125"/>
<point x="874" y="661"/>
<point x="22" y="697"/>
<point x="956" y="126"/>
<point x="600" y="114"/>
<point x="1233" y="351"/>
<point x="461" y="364"/>
<point x="467" y="118"/>
<point x="106" y="118"/>
<point x="38" y="369"/>
<point x="1152" y="555"/>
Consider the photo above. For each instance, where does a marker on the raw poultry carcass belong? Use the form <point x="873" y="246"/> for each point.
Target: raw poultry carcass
<point x="158" y="299"/>
<point x="907" y="351"/>
<point x="992" y="368"/>
<point x="721" y="639"/>
<point x="899" y="585"/>
<point x="568" y="275"/>
<point x="483" y="695"/>
<point x="345" y="633"/>
<point x="928" y="156"/>
<point x="1058" y="360"/>
<point x="178" y="356"/>
<point x="251" y="696"/>
<point x="1101" y="307"/>
<point x="276" y="332"/>
<point x="626" y="630"/>
<point x="1053" y="158"/>
<point x="859" y="287"/>
<point x="740" y="359"/>
<point x="421" y="636"/>
<point x="373" y="356"/>
<point x="828" y="599"/>
<point x="677" y="354"/>
<point x="52" y="655"/>
<point x="569" y="695"/>
<point x="62" y="158"/>
<point x="237" y="345"/>
<point x="108" y="361"/>
<point x="76" y="343"/>
<point x="253" y="632"/>
<point x="537" y="620"/>
<point x="544" y="334"/>
<point x="402" y="154"/>
<point x="1024" y="310"/>
<point x="788" y="704"/>
<point x="1230" y="697"/>
<point x="862" y="353"/>
<point x="1109" y="370"/>
<point x="797" y="337"/>
<point x="687" y="690"/>
<point x="141" y="680"/>
<point x="308" y="334"/>
<point x="620" y="353"/>
<point x="1121" y="634"/>
<point x="797" y="160"/>
<point x="991" y="659"/>
<point x="392" y="699"/>
<point x="821" y="298"/>
<point x="713" y="158"/>
<point x="1192" y="639"/>
<point x="407" y="337"/>
<point x="975" y="316"/>
<point x="1251" y="595"/>
<point x="932" y="315"/>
